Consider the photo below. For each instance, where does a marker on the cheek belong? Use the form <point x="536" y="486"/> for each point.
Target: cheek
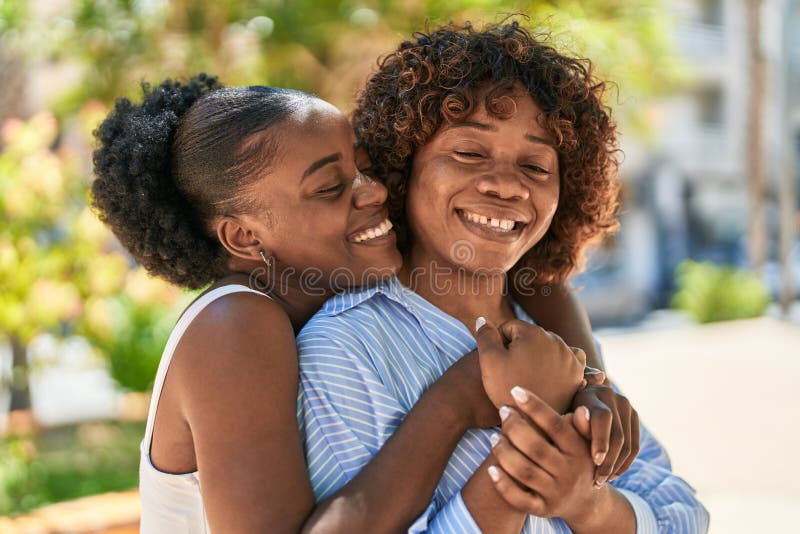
<point x="431" y="190"/>
<point x="309" y="239"/>
<point x="425" y="213"/>
<point x="547" y="199"/>
<point x="551" y="205"/>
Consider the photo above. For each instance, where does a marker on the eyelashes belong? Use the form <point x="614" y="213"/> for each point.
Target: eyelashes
<point x="358" y="178"/>
<point x="478" y="156"/>
<point x="471" y="155"/>
<point x="537" y="169"/>
<point x="332" y="189"/>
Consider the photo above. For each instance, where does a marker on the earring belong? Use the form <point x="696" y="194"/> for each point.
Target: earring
<point x="267" y="261"/>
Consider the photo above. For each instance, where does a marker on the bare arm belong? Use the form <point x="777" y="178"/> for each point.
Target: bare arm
<point x="238" y="378"/>
<point x="492" y="513"/>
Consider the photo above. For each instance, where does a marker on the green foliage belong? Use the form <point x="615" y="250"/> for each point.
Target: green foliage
<point x="12" y="13"/>
<point x="135" y="347"/>
<point x="710" y="292"/>
<point x="59" y="265"/>
<point x="133" y="326"/>
<point x="323" y="46"/>
<point x="43" y="259"/>
<point x="67" y="463"/>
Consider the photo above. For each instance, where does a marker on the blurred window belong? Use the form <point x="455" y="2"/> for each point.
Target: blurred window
<point x="711" y="12"/>
<point x="710" y="106"/>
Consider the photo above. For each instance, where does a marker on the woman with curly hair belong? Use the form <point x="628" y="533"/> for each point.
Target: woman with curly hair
<point x="499" y="157"/>
<point x="212" y="187"/>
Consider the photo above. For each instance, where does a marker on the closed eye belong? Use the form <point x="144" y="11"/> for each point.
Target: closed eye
<point x="472" y="155"/>
<point x="536" y="169"/>
<point x="332" y="189"/>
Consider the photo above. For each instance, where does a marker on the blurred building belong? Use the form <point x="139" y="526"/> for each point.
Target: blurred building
<point x="686" y="195"/>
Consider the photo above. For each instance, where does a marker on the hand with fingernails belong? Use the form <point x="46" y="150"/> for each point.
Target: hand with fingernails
<point x="521" y="353"/>
<point x="517" y="352"/>
<point x="543" y="467"/>
<point x="612" y="426"/>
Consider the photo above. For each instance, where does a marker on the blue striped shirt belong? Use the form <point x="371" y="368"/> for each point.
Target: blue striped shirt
<point x="365" y="359"/>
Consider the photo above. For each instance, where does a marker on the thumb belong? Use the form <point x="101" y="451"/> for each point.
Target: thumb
<point x="593" y="376"/>
<point x="580" y="355"/>
<point x="580" y="420"/>
<point x="489" y="338"/>
<point x="515" y="329"/>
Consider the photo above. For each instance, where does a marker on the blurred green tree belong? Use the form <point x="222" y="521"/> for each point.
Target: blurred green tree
<point x="324" y="46"/>
<point x="60" y="268"/>
<point x="48" y="260"/>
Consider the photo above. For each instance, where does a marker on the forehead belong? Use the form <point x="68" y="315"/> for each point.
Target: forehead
<point x="505" y="112"/>
<point x="313" y="128"/>
<point x="316" y="114"/>
<point x="508" y="103"/>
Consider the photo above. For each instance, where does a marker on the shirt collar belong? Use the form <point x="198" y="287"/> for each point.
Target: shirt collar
<point x="391" y="288"/>
<point x="439" y="326"/>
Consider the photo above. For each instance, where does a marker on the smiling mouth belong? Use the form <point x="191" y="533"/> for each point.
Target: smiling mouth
<point x="490" y="225"/>
<point x="370" y="234"/>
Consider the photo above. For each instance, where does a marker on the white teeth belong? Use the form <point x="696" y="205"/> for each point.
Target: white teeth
<point x="501" y="224"/>
<point x="372" y="233"/>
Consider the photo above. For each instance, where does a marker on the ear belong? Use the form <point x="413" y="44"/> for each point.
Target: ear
<point x="239" y="240"/>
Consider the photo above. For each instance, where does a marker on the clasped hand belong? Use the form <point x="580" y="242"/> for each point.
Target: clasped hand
<point x="520" y="354"/>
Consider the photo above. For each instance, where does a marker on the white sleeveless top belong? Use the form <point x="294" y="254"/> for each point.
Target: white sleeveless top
<point x="173" y="503"/>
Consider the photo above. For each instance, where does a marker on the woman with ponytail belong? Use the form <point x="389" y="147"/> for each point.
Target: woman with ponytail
<point x="254" y="194"/>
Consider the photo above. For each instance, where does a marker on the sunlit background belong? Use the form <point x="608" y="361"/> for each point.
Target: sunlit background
<point x="707" y="94"/>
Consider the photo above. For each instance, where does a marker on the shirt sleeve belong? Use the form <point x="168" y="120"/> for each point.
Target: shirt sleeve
<point x="345" y="415"/>
<point x="454" y="516"/>
<point x="663" y="502"/>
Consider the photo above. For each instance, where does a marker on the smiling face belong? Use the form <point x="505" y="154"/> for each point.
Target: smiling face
<point x="316" y="211"/>
<point x="483" y="191"/>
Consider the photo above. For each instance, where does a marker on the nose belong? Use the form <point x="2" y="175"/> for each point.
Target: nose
<point x="368" y="192"/>
<point x="506" y="186"/>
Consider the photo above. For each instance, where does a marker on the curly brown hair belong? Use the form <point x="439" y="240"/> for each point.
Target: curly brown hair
<point x="437" y="76"/>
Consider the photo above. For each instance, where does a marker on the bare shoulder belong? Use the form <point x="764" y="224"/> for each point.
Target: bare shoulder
<point x="239" y="339"/>
<point x="237" y="379"/>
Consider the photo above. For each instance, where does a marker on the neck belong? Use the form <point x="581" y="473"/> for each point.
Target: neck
<point x="455" y="290"/>
<point x="298" y="300"/>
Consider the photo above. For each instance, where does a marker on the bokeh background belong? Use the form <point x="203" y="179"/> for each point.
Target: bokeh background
<point x="707" y="94"/>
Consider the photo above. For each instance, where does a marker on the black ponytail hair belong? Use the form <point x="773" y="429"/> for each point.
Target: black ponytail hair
<point x="167" y="166"/>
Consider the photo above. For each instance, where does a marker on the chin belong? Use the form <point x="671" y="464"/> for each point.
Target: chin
<point x="490" y="266"/>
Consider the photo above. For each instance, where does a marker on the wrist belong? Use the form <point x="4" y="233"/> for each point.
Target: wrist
<point x="461" y="390"/>
<point x="452" y="403"/>
<point x="585" y="516"/>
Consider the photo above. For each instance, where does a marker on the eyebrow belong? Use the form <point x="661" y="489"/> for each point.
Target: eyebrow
<point x="317" y="165"/>
<point x="490" y="128"/>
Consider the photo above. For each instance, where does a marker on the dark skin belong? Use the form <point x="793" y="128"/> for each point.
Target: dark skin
<point x="232" y="383"/>
<point x="559" y="480"/>
<point x="492" y="186"/>
<point x="558" y="309"/>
